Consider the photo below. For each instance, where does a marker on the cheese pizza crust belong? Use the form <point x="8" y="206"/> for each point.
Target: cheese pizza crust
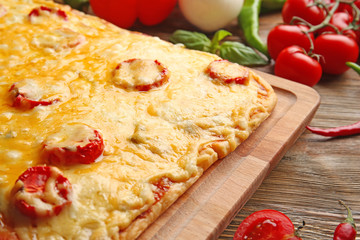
<point x="102" y="129"/>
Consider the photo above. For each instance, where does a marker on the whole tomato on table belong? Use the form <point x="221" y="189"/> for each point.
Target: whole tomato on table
<point x="335" y="50"/>
<point x="124" y="13"/>
<point x="341" y="21"/>
<point x="266" y="225"/>
<point x="285" y="35"/>
<point x="305" y="9"/>
<point x="347" y="229"/>
<point x="293" y="63"/>
<point x="325" y="36"/>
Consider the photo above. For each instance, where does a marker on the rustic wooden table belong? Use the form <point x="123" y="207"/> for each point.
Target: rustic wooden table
<point x="317" y="171"/>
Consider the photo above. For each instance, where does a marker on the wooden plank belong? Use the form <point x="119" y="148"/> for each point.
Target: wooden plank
<point x="210" y="204"/>
<point x="316" y="171"/>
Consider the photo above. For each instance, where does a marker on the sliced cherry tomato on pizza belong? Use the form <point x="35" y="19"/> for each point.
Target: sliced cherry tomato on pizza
<point x="161" y="187"/>
<point x="294" y="64"/>
<point x="27" y="94"/>
<point x="305" y="9"/>
<point x="59" y="39"/>
<point x="335" y="51"/>
<point x="283" y="36"/>
<point x="3" y="10"/>
<point x="43" y="11"/>
<point x="140" y="74"/>
<point x="41" y="191"/>
<point x="73" y="144"/>
<point x="266" y="225"/>
<point x="228" y="72"/>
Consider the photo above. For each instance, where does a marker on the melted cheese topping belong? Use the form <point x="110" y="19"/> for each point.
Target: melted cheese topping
<point x="3" y="10"/>
<point x="148" y="135"/>
<point x="41" y="89"/>
<point x="70" y="137"/>
<point x="58" y="39"/>
<point x="42" y="201"/>
<point x="228" y="72"/>
<point x="137" y="72"/>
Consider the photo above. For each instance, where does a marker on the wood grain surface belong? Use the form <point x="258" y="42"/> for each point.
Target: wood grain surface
<point x="317" y="171"/>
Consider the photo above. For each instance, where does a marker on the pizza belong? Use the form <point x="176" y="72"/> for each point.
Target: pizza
<point x="102" y="129"/>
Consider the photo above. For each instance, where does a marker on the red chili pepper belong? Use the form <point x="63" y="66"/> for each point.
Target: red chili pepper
<point x="123" y="13"/>
<point x="337" y="131"/>
<point x="347" y="229"/>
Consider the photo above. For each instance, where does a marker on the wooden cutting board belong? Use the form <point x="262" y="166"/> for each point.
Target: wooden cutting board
<point x="211" y="203"/>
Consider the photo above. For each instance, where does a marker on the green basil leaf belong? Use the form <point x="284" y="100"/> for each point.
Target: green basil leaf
<point x="241" y="54"/>
<point x="192" y="40"/>
<point x="215" y="42"/>
<point x="77" y="4"/>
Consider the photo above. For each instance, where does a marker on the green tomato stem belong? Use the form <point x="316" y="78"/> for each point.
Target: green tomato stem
<point x="326" y="20"/>
<point x="349" y="219"/>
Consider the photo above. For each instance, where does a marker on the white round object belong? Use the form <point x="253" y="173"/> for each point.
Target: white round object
<point x="210" y="15"/>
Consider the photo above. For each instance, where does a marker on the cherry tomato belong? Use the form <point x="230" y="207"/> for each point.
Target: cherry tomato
<point x="293" y="64"/>
<point x="41" y="191"/>
<point x="154" y="11"/>
<point x="73" y="144"/>
<point x="228" y="72"/>
<point x="124" y="13"/>
<point x="347" y="229"/>
<point x="42" y="10"/>
<point x="303" y="9"/>
<point x="283" y="36"/>
<point x="266" y="225"/>
<point x="343" y="7"/>
<point x="335" y="51"/>
<point x="341" y="21"/>
<point x="24" y="98"/>
<point x="154" y="74"/>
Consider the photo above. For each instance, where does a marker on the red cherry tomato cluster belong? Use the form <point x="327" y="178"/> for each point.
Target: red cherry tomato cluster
<point x="317" y="37"/>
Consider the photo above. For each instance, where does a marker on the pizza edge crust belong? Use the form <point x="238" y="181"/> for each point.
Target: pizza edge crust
<point x="212" y="153"/>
